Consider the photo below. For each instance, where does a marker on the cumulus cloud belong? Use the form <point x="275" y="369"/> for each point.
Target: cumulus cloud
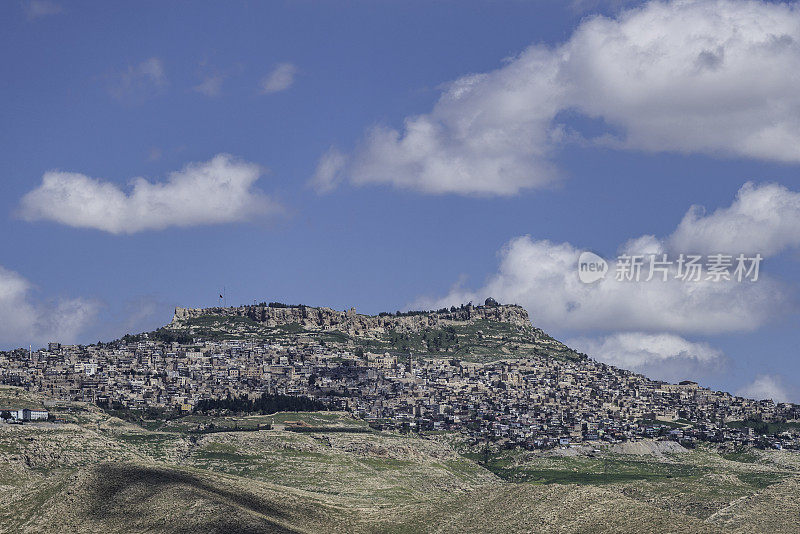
<point x="24" y="321"/>
<point x="715" y="77"/>
<point x="543" y="277"/>
<point x="694" y="76"/>
<point x="488" y="134"/>
<point x="280" y="79"/>
<point x="139" y="82"/>
<point x="41" y="8"/>
<point x="765" y="387"/>
<point x="661" y="356"/>
<point x="763" y="219"/>
<point x="213" y="192"/>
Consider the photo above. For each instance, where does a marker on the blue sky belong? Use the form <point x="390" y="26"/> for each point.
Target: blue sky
<point x="448" y="138"/>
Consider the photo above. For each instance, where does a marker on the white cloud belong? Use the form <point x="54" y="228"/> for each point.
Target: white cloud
<point x="488" y="134"/>
<point x="542" y="276"/>
<point x="139" y="82"/>
<point x="709" y="76"/>
<point x="23" y="321"/>
<point x="280" y="79"/>
<point x="41" y="8"/>
<point x="329" y="171"/>
<point x="765" y="387"/>
<point x="661" y="356"/>
<point x="213" y="192"/>
<point x="693" y="76"/>
<point x="763" y="219"/>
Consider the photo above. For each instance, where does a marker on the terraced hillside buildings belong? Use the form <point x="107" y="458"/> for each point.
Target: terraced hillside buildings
<point x="538" y="400"/>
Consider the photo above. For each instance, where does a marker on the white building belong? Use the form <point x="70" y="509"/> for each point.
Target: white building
<point x="26" y="414"/>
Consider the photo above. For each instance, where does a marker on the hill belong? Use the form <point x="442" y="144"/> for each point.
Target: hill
<point x="93" y="472"/>
<point x="472" y="333"/>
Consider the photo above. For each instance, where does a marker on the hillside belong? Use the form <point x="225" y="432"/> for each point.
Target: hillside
<point x="472" y="333"/>
<point x="93" y="472"/>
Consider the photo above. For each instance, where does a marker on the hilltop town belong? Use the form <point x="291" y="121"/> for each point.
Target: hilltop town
<point x="482" y="371"/>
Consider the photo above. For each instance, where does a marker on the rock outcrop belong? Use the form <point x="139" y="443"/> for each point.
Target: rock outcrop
<point x="353" y="323"/>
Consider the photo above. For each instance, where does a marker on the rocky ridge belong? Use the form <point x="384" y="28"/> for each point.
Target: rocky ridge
<point x="475" y="333"/>
<point x="356" y="324"/>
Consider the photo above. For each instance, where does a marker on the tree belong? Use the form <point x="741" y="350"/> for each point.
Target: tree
<point x="266" y="404"/>
<point x="5" y="414"/>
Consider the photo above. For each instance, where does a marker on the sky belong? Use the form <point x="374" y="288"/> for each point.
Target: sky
<point x="402" y="155"/>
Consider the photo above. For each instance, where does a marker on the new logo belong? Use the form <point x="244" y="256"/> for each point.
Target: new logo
<point x="591" y="267"/>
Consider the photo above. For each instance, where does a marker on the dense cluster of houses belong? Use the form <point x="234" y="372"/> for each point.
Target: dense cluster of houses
<point x="532" y="402"/>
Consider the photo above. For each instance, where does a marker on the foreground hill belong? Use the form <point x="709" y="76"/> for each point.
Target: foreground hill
<point x="93" y="472"/>
<point x="474" y="333"/>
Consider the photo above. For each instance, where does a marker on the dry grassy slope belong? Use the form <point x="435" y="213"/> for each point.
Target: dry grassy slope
<point x="15" y="398"/>
<point x="130" y="497"/>
<point x="554" y="508"/>
<point x="771" y="510"/>
<point x="100" y="474"/>
<point x="361" y="484"/>
<point x="363" y="469"/>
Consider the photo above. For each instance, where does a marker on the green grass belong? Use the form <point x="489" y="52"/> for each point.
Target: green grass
<point x="143" y="438"/>
<point x="385" y="463"/>
<point x="478" y="340"/>
<point x="227" y="457"/>
<point x="9" y="447"/>
<point x="329" y="429"/>
<point x="761" y="480"/>
<point x="462" y="468"/>
<point x="513" y="466"/>
<point x="291" y="328"/>
<point x="318" y="419"/>
<point x="15" y="398"/>
<point x="744" y="457"/>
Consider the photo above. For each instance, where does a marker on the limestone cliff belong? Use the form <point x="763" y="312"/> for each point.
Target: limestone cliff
<point x="353" y="323"/>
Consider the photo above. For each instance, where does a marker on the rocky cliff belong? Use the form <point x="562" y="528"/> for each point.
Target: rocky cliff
<point x="357" y="324"/>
